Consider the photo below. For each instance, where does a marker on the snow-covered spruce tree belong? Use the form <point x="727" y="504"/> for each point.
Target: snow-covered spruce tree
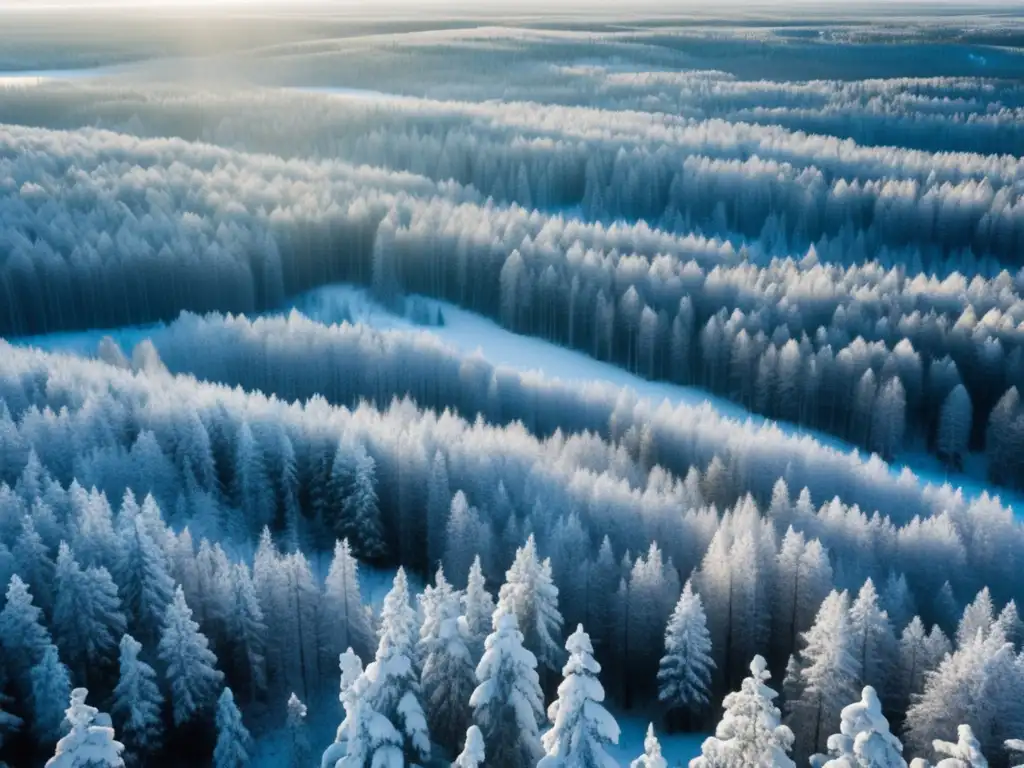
<point x="87" y="618"/>
<point x="88" y="745"/>
<point x="246" y="631"/>
<point x="473" y="753"/>
<point x="137" y="704"/>
<point x="1010" y="624"/>
<point x="508" y="704"/>
<point x="234" y="744"/>
<point x="354" y="489"/>
<point x="954" y="426"/>
<point x="874" y="643"/>
<point x="651" y="758"/>
<point x="979" y="616"/>
<point x="825" y="676"/>
<point x="23" y="638"/>
<point x="345" y="622"/>
<point x="684" y="677"/>
<point x="34" y="564"/>
<point x="465" y="534"/>
<point x="864" y="740"/>
<point x="439" y="497"/>
<point x="393" y="677"/>
<point x="529" y="593"/>
<point x="51" y="686"/>
<point x="581" y="728"/>
<point x="190" y="665"/>
<point x="981" y="684"/>
<point x="448" y="676"/>
<point x="298" y="732"/>
<point x="373" y="742"/>
<point x="750" y="733"/>
<point x="142" y="579"/>
<point x="477" y="611"/>
<point x="351" y="673"/>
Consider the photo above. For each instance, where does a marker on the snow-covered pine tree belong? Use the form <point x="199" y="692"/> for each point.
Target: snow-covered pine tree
<point x="246" y="632"/>
<point x="750" y="733"/>
<point x="22" y="635"/>
<point x="898" y="601"/>
<point x="234" y="747"/>
<point x="298" y="732"/>
<point x="473" y="753"/>
<point x="684" y="677"/>
<point x="864" y="740"/>
<point x="137" y="704"/>
<point x="874" y="644"/>
<point x="142" y="579"/>
<point x="651" y="758"/>
<point x="530" y="594"/>
<point x="87" y="745"/>
<point x="353" y="482"/>
<point x="1016" y="748"/>
<point x="581" y="728"/>
<point x="372" y="740"/>
<point x="826" y="676"/>
<point x="34" y="563"/>
<point x="190" y="665"/>
<point x="439" y="497"/>
<point x="448" y="677"/>
<point x="1010" y="624"/>
<point x="979" y="616"/>
<point x="477" y="611"/>
<point x="345" y="622"/>
<point x="508" y="704"/>
<point x="51" y="686"/>
<point x="351" y="672"/>
<point x="87" y="618"/>
<point x="393" y="677"/>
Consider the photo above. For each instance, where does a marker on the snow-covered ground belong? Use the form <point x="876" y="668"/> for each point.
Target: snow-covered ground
<point x="469" y="332"/>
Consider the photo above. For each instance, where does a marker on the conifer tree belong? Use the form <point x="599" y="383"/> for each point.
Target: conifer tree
<point x="581" y="728"/>
<point x="529" y="593"/>
<point x="651" y="758"/>
<point x="142" y="578"/>
<point x="351" y="673"/>
<point x="393" y="685"/>
<point x="448" y="677"/>
<point x="137" y="704"/>
<point x="864" y="740"/>
<point x="190" y="664"/>
<point x="246" y="632"/>
<point x="825" y="676"/>
<point x="473" y="753"/>
<point x="874" y="644"/>
<point x="478" y="609"/>
<point x="51" y="687"/>
<point x="345" y="622"/>
<point x="234" y="747"/>
<point x="87" y="618"/>
<point x="684" y="677"/>
<point x="298" y="732"/>
<point x="979" y="616"/>
<point x="508" y="703"/>
<point x="89" y="744"/>
<point x="750" y="732"/>
<point x="23" y="638"/>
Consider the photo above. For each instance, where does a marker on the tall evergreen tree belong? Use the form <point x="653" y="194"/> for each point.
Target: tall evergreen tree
<point x="477" y="611"/>
<point x="684" y="677"/>
<point x="581" y="728"/>
<point x="246" y="632"/>
<point x="190" y="664"/>
<point x="750" y="732"/>
<point x="508" y="703"/>
<point x="234" y="744"/>
<point x="22" y="635"/>
<point x="137" y="704"/>
<point x="826" y="676"/>
<point x="298" y="732"/>
<point x="530" y="594"/>
<point x="89" y="744"/>
<point x="393" y="690"/>
<point x="51" y="687"/>
<point x="448" y="677"/>
<point x="351" y="674"/>
<point x="142" y="578"/>
<point x="87" y="618"/>
<point x="345" y="621"/>
<point x="874" y="644"/>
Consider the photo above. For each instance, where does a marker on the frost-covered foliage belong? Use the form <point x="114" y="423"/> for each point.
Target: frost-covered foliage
<point x="750" y="732"/>
<point x="88" y="744"/>
<point x="192" y="514"/>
